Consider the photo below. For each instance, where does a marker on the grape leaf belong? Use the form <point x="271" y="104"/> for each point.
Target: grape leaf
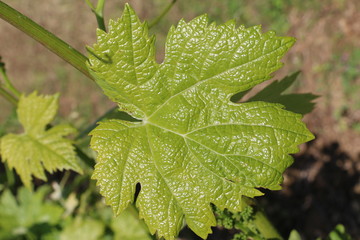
<point x="38" y="149"/>
<point x="193" y="146"/>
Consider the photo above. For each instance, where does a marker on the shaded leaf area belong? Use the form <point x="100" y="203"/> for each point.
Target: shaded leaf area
<point x="38" y="149"/>
<point x="193" y="146"/>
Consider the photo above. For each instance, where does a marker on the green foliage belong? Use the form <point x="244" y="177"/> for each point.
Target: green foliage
<point x="339" y="233"/>
<point x="193" y="146"/>
<point x="294" y="235"/>
<point x="37" y="148"/>
<point x="28" y="215"/>
<point x="243" y="221"/>
<point x="32" y="215"/>
<point x="127" y="226"/>
<point x="83" y="228"/>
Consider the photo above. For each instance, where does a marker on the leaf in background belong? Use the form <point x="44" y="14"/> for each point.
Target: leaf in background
<point x="296" y="102"/>
<point x="193" y="146"/>
<point x="339" y="233"/>
<point x="83" y="228"/>
<point x="128" y="227"/>
<point x="38" y="149"/>
<point x="294" y="235"/>
<point x="19" y="217"/>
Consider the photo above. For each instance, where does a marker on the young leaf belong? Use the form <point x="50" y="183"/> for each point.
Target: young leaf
<point x="38" y="149"/>
<point x="193" y="146"/>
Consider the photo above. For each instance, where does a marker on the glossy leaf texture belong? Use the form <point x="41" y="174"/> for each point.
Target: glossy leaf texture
<point x="193" y="146"/>
<point x="38" y="149"/>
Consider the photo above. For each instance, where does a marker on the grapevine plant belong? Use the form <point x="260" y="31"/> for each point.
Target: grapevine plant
<point x="187" y="152"/>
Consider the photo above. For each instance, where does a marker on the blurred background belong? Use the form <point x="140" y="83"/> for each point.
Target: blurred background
<point x="322" y="188"/>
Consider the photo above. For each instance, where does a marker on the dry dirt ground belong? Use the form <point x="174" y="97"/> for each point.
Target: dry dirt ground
<point x="321" y="189"/>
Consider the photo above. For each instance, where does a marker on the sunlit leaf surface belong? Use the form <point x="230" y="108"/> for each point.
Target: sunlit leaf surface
<point x="192" y="145"/>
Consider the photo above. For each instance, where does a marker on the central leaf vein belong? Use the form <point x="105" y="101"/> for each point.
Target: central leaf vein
<point x="157" y="168"/>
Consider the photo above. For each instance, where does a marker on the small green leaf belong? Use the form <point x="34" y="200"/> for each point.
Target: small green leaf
<point x="192" y="146"/>
<point x="38" y="149"/>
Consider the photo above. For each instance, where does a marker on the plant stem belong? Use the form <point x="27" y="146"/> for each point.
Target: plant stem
<point x="49" y="40"/>
<point x="9" y="176"/>
<point x="262" y="223"/>
<point x="90" y="162"/>
<point x="8" y="96"/>
<point x="64" y="179"/>
<point x="85" y="132"/>
<point x="8" y="83"/>
<point x="165" y="11"/>
<point x="265" y="226"/>
<point x="99" y="13"/>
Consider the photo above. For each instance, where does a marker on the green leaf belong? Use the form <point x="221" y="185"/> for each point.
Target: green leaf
<point x="294" y="235"/>
<point x="339" y="233"/>
<point x="18" y="216"/>
<point x="193" y="146"/>
<point x="37" y="149"/>
<point x="299" y="103"/>
<point x="83" y="228"/>
<point x="128" y="227"/>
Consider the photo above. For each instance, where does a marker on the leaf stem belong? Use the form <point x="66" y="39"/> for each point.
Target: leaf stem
<point x="261" y="221"/>
<point x="99" y="13"/>
<point x="86" y="131"/>
<point x="46" y="38"/>
<point x="90" y="162"/>
<point x="8" y="83"/>
<point x="265" y="226"/>
<point x="9" y="176"/>
<point x="64" y="179"/>
<point x="165" y="11"/>
<point x="13" y="100"/>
